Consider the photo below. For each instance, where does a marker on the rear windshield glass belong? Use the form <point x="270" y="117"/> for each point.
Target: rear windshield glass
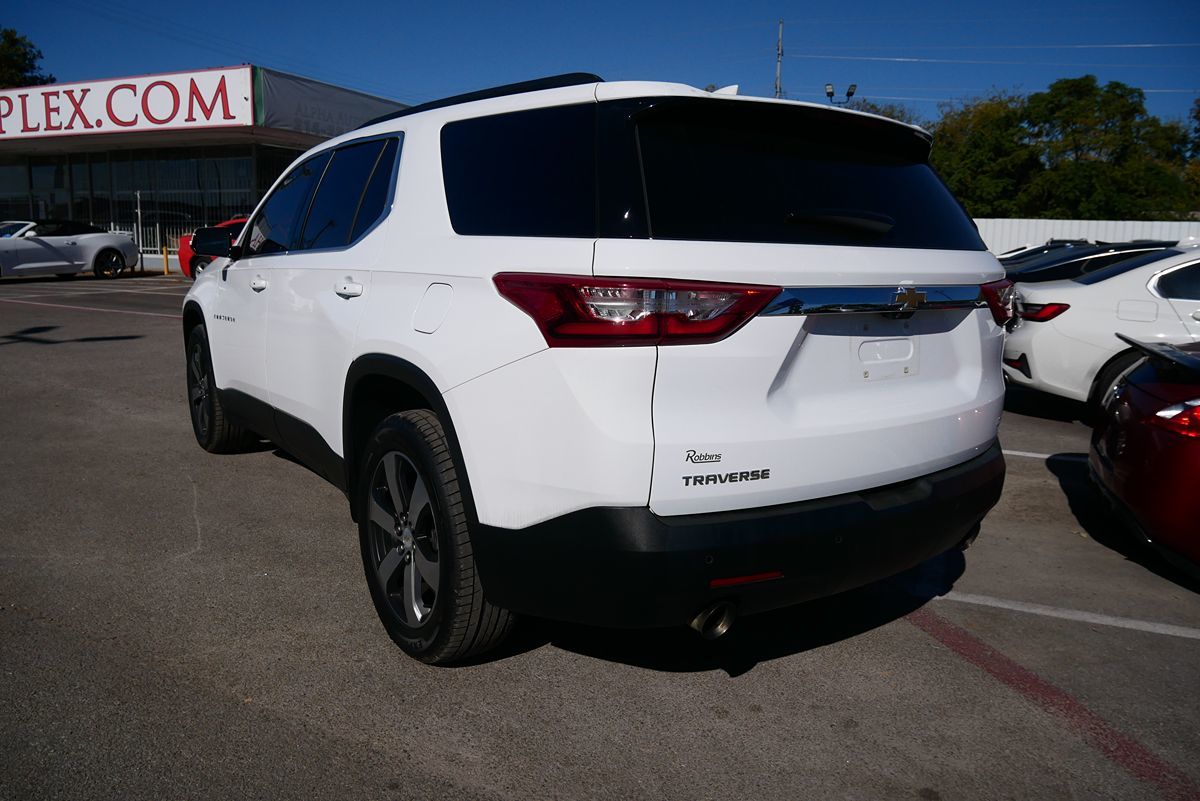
<point x="743" y="172"/>
<point x="1125" y="265"/>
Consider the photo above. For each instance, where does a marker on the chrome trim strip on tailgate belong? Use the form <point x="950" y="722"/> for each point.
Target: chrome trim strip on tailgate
<point x="874" y="299"/>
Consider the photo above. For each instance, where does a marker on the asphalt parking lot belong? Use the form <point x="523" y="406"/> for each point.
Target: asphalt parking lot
<point x="175" y="624"/>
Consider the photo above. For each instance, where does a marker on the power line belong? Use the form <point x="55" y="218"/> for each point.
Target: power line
<point x="916" y="60"/>
<point x="1019" y="46"/>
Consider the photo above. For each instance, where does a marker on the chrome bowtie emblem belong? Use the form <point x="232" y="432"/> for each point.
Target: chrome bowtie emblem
<point x="909" y="298"/>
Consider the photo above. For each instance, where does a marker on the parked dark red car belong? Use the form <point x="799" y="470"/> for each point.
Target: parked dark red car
<point x="189" y="262"/>
<point x="1145" y="452"/>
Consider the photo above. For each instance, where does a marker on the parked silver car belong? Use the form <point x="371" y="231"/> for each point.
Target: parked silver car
<point x="63" y="247"/>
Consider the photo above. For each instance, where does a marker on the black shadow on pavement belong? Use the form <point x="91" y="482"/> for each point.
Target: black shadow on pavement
<point x="1032" y="403"/>
<point x="751" y="640"/>
<point x="1094" y="513"/>
<point x="32" y="336"/>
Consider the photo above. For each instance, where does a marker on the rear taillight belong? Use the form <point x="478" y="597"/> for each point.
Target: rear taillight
<point x="1181" y="418"/>
<point x="1041" y="312"/>
<point x="581" y="311"/>
<point x="1000" y="296"/>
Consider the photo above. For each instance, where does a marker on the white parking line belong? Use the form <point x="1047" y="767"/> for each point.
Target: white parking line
<point x="1075" y="457"/>
<point x="1073" y="614"/>
<point x="91" y="308"/>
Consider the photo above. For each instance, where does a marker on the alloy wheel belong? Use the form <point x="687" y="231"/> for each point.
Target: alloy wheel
<point x="404" y="539"/>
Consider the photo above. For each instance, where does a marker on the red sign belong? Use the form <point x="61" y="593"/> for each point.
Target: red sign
<point x="212" y="98"/>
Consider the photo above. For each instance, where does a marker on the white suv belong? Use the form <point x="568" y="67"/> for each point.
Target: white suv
<point x="627" y="354"/>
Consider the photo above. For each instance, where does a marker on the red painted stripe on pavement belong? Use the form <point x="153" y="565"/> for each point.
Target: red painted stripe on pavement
<point x="1126" y="752"/>
<point x="90" y="308"/>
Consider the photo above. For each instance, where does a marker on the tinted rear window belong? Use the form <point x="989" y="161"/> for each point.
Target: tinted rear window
<point x="745" y="172"/>
<point x="529" y="173"/>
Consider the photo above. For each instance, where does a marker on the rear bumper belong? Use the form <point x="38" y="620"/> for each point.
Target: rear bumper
<point x="629" y="568"/>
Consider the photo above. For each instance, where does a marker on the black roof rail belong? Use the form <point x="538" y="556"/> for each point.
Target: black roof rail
<point x="553" y="82"/>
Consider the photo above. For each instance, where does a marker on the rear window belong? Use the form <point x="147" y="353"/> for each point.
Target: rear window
<point x="743" y="172"/>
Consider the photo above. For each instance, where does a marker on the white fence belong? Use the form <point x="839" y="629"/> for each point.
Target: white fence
<point x="1003" y="235"/>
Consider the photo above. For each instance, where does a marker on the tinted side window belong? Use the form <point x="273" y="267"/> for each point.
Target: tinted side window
<point x="528" y="173"/>
<point x="336" y="202"/>
<point x="1183" y="284"/>
<point x="376" y="194"/>
<point x="276" y="226"/>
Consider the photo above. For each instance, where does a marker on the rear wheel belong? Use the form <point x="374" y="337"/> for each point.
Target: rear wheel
<point x="108" y="264"/>
<point x="214" y="432"/>
<point x="1107" y="378"/>
<point x="416" y="547"/>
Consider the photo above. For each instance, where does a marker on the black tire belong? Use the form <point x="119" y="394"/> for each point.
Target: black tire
<point x="109" y="264"/>
<point x="214" y="432"/>
<point x="1106" y="379"/>
<point x="198" y="264"/>
<point x="417" y="554"/>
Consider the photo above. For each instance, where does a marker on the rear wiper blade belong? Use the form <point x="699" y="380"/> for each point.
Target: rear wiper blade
<point x="869" y="221"/>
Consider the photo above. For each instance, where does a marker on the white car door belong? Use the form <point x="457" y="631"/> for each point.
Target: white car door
<point x="239" y="325"/>
<point x="320" y="293"/>
<point x="1181" y="287"/>
<point x="44" y="250"/>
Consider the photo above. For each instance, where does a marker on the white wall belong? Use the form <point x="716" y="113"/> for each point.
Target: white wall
<point x="1003" y="235"/>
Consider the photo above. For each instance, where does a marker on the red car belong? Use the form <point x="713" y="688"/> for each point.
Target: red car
<point x="1145" y="452"/>
<point x="189" y="262"/>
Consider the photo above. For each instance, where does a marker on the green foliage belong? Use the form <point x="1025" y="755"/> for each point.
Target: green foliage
<point x="19" y="61"/>
<point x="895" y="111"/>
<point x="1077" y="150"/>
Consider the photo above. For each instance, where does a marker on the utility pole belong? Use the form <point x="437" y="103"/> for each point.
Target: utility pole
<point x="779" y="63"/>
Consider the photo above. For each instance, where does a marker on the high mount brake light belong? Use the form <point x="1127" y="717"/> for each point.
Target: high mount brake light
<point x="1000" y="296"/>
<point x="1041" y="312"/>
<point x="582" y="311"/>
<point x="1181" y="418"/>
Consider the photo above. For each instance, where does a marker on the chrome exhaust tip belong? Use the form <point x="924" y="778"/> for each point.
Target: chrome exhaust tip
<point x="714" y="621"/>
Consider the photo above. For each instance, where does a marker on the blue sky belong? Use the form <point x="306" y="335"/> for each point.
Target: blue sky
<point x="416" y="52"/>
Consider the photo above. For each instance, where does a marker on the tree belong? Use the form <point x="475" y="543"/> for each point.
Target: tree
<point x="1104" y="156"/>
<point x="19" y="61"/>
<point x="981" y="150"/>
<point x="895" y="111"/>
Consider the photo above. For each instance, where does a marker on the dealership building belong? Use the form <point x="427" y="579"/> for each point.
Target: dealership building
<point x="175" y="151"/>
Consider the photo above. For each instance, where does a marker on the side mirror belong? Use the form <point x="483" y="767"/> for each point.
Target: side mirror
<point x="30" y="232"/>
<point x="215" y="242"/>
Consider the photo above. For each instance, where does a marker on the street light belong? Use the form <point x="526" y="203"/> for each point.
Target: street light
<point x="850" y="90"/>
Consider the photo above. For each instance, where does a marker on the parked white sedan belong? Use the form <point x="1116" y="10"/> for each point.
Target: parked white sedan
<point x="1065" y="340"/>
<point x="63" y="247"/>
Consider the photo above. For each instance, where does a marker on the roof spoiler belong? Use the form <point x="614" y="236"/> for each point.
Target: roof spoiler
<point x="1161" y="352"/>
<point x="537" y="85"/>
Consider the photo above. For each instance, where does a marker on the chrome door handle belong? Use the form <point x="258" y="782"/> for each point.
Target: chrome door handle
<point x="72" y="244"/>
<point x="348" y="289"/>
<point x="258" y="283"/>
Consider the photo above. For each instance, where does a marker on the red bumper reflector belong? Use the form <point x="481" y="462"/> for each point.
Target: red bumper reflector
<point x="734" y="581"/>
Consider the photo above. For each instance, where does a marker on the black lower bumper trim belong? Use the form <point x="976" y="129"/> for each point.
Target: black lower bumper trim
<point x="629" y="568"/>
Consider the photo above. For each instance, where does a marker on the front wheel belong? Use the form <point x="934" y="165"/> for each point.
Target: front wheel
<point x="416" y="546"/>
<point x="214" y="432"/>
<point x="108" y="264"/>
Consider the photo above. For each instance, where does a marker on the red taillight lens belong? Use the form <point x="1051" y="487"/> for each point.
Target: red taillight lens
<point x="581" y="311"/>
<point x="1000" y="296"/>
<point x="1181" y="418"/>
<point x="1041" y="312"/>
